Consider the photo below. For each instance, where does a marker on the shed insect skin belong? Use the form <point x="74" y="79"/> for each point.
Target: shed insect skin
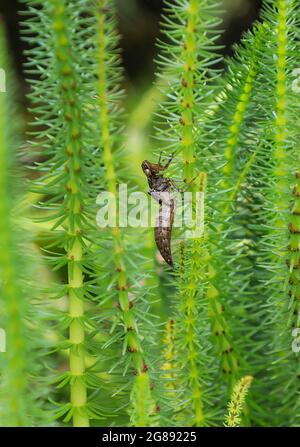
<point x="161" y="189"/>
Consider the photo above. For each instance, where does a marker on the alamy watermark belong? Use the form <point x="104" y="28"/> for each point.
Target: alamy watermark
<point x="296" y="81"/>
<point x="296" y="341"/>
<point x="2" y="340"/>
<point x="138" y="210"/>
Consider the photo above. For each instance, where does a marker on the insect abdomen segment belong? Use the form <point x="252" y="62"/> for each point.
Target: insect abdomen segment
<point x="164" y="223"/>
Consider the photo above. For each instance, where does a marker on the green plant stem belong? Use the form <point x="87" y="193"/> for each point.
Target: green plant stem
<point x="188" y="105"/>
<point x="132" y="341"/>
<point x="142" y="404"/>
<point x="229" y="361"/>
<point x="143" y="412"/>
<point x="73" y="202"/>
<point x="282" y="169"/>
<point x="239" y="119"/>
<point x="169" y="356"/>
<point x="188" y="307"/>
<point x="281" y="106"/>
<point x="237" y="402"/>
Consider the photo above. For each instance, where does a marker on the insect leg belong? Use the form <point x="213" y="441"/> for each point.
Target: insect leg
<point x="159" y="159"/>
<point x="169" y="162"/>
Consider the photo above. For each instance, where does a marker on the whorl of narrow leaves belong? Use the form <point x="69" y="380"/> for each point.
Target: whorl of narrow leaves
<point x="169" y="356"/>
<point x="232" y="138"/>
<point x="192" y="341"/>
<point x="186" y="58"/>
<point x="243" y="89"/>
<point x="144" y="412"/>
<point x="282" y="203"/>
<point x="58" y="62"/>
<point x="186" y="74"/>
<point x="109" y="94"/>
<point x="108" y="78"/>
<point x="255" y="239"/>
<point x="255" y="218"/>
<point x="237" y="402"/>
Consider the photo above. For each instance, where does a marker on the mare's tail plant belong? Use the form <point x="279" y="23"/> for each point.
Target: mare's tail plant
<point x="229" y="156"/>
<point x="237" y="402"/>
<point x="187" y="58"/>
<point x="242" y="150"/>
<point x="256" y="214"/>
<point x="278" y="102"/>
<point x="61" y="99"/>
<point x="125" y="284"/>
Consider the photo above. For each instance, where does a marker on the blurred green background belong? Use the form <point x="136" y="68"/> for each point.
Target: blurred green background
<point x="139" y="28"/>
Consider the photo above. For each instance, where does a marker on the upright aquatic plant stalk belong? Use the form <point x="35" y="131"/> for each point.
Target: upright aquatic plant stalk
<point x="169" y="356"/>
<point x="188" y="57"/>
<point x="237" y="402"/>
<point x="143" y="412"/>
<point x="286" y="230"/>
<point x="188" y="140"/>
<point x="282" y="164"/>
<point x="62" y="100"/>
<point x="238" y="119"/>
<point x="220" y="328"/>
<point x="259" y="224"/>
<point x="73" y="201"/>
<point x="281" y="95"/>
<point x="234" y="135"/>
<point x="191" y="288"/>
<point x="132" y="342"/>
<point x="189" y="294"/>
<point x="188" y="88"/>
<point x="142" y="406"/>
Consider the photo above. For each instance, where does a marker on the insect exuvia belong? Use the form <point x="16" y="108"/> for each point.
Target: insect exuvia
<point x="161" y="189"/>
